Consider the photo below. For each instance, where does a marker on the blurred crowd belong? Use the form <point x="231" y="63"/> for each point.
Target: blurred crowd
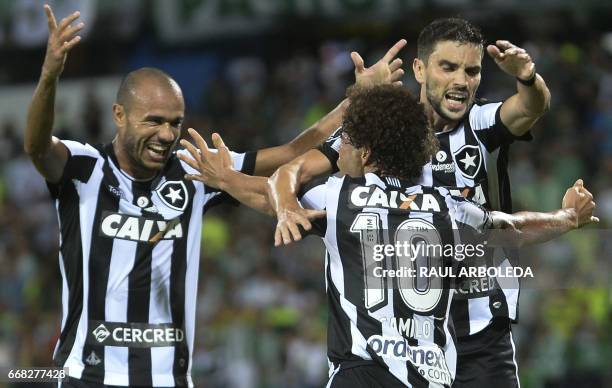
<point x="262" y="311"/>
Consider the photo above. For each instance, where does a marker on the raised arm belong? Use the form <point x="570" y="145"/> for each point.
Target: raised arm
<point x="532" y="227"/>
<point x="283" y="187"/>
<point x="285" y="183"/>
<point x="532" y="99"/>
<point x="269" y="159"/>
<point x="386" y="70"/>
<point x="215" y="168"/>
<point x="47" y="153"/>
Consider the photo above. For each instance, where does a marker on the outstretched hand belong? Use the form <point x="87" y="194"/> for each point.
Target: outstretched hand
<point x="512" y="59"/>
<point x="289" y="221"/>
<point x="388" y="70"/>
<point x="212" y="165"/>
<point x="62" y="38"/>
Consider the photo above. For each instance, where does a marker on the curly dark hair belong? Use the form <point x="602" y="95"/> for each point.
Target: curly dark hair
<point x="447" y="29"/>
<point x="389" y="121"/>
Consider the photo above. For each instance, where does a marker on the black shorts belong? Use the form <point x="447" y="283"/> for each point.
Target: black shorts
<point x="363" y="374"/>
<point x="487" y="359"/>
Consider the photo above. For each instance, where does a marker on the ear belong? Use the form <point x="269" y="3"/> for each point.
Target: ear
<point x="418" y="67"/>
<point x="365" y="156"/>
<point x="119" y="115"/>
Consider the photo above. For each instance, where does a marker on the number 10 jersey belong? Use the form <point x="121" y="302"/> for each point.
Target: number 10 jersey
<point x="388" y="269"/>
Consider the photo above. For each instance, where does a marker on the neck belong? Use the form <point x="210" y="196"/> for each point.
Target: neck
<point x="128" y="166"/>
<point x="379" y="173"/>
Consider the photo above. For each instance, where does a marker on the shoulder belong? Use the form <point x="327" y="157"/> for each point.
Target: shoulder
<point x="82" y="149"/>
<point x="321" y="185"/>
<point x="483" y="114"/>
<point x="177" y="163"/>
<point x="465" y="211"/>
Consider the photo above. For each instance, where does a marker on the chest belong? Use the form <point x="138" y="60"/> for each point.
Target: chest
<point x="460" y="160"/>
<point x="143" y="211"/>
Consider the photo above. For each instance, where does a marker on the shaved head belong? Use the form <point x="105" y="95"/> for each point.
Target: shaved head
<point x="149" y="113"/>
<point x="144" y="77"/>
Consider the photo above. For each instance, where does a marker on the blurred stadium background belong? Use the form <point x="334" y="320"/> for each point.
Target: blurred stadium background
<point x="259" y="71"/>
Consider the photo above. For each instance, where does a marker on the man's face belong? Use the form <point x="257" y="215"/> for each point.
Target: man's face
<point x="350" y="160"/>
<point x="451" y="78"/>
<point x="151" y="127"/>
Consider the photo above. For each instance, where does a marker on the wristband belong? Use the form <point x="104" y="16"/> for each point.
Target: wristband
<point x="528" y="82"/>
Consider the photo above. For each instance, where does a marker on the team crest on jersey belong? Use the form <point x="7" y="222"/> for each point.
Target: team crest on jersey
<point x="173" y="194"/>
<point x="468" y="160"/>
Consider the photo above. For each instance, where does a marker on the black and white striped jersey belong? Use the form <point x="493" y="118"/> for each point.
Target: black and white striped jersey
<point x="393" y="318"/>
<point x="472" y="161"/>
<point x="129" y="257"/>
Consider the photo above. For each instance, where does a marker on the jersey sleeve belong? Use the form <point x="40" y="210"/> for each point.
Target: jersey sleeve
<point x="330" y="148"/>
<point x="313" y="196"/>
<point x="485" y="121"/>
<point x="468" y="214"/>
<point x="82" y="159"/>
<point x="242" y="161"/>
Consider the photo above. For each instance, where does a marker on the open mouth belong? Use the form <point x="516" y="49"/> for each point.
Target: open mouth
<point x="456" y="100"/>
<point x="157" y="152"/>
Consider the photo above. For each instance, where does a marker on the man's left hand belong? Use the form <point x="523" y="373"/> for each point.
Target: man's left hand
<point x="512" y="59"/>
<point x="212" y="165"/>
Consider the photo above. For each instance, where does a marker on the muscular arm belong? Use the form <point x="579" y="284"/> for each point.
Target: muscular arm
<point x="216" y="170"/>
<point x="283" y="187"/>
<point x="386" y="71"/>
<point x="520" y="112"/>
<point x="531" y="227"/>
<point x="523" y="109"/>
<point x="278" y="192"/>
<point x="48" y="154"/>
<point x="249" y="190"/>
<point x="524" y="228"/>
<point x="285" y="183"/>
<point x="269" y="159"/>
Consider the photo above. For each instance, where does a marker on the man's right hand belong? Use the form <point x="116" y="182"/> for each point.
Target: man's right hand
<point x="62" y="38"/>
<point x="289" y="220"/>
<point x="579" y="201"/>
